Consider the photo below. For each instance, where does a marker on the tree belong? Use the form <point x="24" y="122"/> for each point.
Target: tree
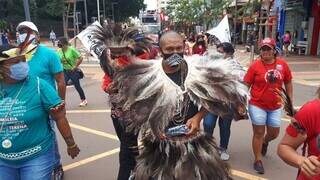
<point x="123" y="9"/>
<point x="188" y="13"/>
<point x="129" y="8"/>
<point x="53" y="9"/>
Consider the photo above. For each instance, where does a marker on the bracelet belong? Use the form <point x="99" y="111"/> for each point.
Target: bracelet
<point x="73" y="146"/>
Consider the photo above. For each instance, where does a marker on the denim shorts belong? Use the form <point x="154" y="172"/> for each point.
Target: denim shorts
<point x="39" y="168"/>
<point x="261" y="117"/>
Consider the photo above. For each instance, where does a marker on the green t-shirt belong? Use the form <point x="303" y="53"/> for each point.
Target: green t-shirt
<point x="24" y="116"/>
<point x="69" y="57"/>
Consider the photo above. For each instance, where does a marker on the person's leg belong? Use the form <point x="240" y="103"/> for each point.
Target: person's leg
<point x="39" y="168"/>
<point x="66" y="77"/>
<point x="8" y="172"/>
<point x="273" y="128"/>
<point x="129" y="152"/>
<point x="258" y="117"/>
<point x="117" y="126"/>
<point x="273" y="125"/>
<point x="257" y="140"/>
<point x="209" y="123"/>
<point x="75" y="79"/>
<point x="225" y="125"/>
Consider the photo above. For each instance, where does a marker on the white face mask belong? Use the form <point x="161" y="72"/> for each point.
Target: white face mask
<point x="22" y="37"/>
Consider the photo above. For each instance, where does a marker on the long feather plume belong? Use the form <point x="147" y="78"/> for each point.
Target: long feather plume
<point x="288" y="107"/>
<point x="286" y="101"/>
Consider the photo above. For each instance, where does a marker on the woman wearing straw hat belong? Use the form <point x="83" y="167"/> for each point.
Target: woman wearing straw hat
<point x="26" y="139"/>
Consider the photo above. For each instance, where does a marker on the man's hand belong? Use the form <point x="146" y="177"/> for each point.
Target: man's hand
<point x="194" y="125"/>
<point x="310" y="166"/>
<point x="73" y="151"/>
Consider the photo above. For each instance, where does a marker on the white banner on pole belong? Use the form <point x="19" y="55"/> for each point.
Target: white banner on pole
<point x="85" y="37"/>
<point x="222" y="31"/>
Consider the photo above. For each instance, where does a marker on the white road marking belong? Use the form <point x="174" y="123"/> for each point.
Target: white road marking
<point x="90" y="159"/>
<point x="93" y="131"/>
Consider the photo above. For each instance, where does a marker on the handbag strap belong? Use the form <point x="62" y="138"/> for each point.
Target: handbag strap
<point x="66" y="58"/>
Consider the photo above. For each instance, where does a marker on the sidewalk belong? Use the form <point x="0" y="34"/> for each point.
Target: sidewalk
<point x="293" y="59"/>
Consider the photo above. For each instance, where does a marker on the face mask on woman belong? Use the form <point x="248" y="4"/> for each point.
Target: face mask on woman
<point x="19" y="71"/>
<point x="22" y="37"/>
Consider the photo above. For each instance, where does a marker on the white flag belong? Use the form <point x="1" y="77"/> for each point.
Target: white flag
<point x="222" y="31"/>
<point x="85" y="37"/>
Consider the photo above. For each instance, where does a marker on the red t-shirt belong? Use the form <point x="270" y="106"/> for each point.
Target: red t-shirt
<point x="199" y="50"/>
<point x="309" y="118"/>
<point x="262" y="87"/>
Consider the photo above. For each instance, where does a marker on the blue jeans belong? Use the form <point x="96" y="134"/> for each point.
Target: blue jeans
<point x="74" y="76"/>
<point x="39" y="168"/>
<point x="57" y="156"/>
<point x="263" y="117"/>
<point x="209" y="123"/>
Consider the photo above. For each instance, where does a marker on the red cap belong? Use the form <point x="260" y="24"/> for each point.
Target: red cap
<point x="268" y="42"/>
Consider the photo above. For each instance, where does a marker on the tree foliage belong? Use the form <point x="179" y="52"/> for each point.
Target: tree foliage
<point x="128" y="8"/>
<point x="196" y="12"/>
<point x="53" y="9"/>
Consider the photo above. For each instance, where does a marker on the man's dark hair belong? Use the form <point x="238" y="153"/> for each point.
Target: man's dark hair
<point x="227" y="48"/>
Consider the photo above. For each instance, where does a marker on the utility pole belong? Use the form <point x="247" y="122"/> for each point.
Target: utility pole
<point x="86" y="12"/>
<point x="104" y="8"/>
<point x="235" y="23"/>
<point x="98" y="7"/>
<point x="26" y="9"/>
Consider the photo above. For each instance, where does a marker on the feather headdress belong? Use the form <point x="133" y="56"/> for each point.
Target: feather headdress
<point x="110" y="40"/>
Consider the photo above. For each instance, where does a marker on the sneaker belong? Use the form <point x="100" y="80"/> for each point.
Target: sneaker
<point x="264" y="148"/>
<point x="258" y="167"/>
<point x="58" y="173"/>
<point x="224" y="155"/>
<point x="83" y="103"/>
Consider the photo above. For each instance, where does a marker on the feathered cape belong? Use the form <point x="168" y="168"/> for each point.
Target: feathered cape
<point x="149" y="98"/>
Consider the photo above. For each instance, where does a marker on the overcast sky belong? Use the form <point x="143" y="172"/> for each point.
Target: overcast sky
<point x="151" y="4"/>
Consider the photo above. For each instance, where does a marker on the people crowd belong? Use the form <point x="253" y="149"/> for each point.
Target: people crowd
<point x="33" y="80"/>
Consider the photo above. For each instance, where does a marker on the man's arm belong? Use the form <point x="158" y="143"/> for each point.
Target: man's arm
<point x="194" y="122"/>
<point x="59" y="115"/>
<point x="59" y="77"/>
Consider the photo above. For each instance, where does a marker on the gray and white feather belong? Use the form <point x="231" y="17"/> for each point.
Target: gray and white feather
<point x="150" y="98"/>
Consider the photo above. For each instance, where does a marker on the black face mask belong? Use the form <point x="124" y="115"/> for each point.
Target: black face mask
<point x="173" y="59"/>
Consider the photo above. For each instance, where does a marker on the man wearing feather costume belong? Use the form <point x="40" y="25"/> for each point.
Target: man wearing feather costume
<point x="166" y="100"/>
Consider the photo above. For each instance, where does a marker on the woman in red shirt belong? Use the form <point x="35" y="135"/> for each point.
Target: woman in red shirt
<point x="308" y="119"/>
<point x="267" y="74"/>
<point x="200" y="46"/>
